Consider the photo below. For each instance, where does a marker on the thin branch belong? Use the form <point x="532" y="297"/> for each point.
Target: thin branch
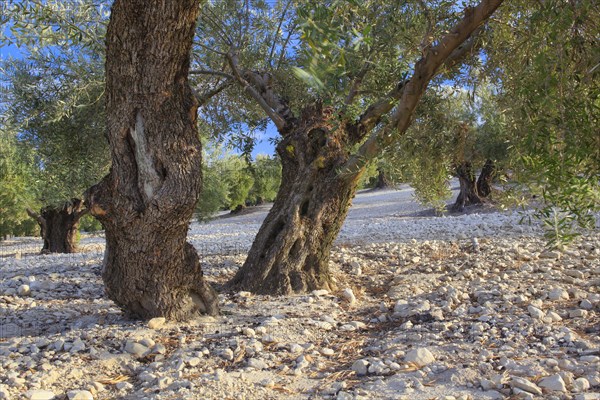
<point x="285" y="45"/>
<point x="81" y="213"/>
<point x="281" y="20"/>
<point x="211" y="49"/>
<point x="210" y="72"/>
<point x="276" y="118"/>
<point x="427" y="37"/>
<point x="433" y="58"/>
<point x="39" y="219"/>
<point x="356" y="82"/>
<point x="203" y="98"/>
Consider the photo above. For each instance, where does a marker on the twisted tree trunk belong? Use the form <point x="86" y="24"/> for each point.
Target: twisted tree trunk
<point x="484" y="182"/>
<point x="291" y="251"/>
<point x="146" y="202"/>
<point x="468" y="194"/>
<point x="383" y="181"/>
<point x="59" y="226"/>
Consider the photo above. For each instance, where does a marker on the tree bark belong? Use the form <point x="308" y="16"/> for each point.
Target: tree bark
<point x="468" y="194"/>
<point x="146" y="201"/>
<point x="484" y="182"/>
<point x="59" y="226"/>
<point x="382" y="180"/>
<point x="290" y="254"/>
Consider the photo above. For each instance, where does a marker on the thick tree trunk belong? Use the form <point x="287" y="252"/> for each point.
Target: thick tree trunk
<point x="382" y="180"/>
<point x="468" y="187"/>
<point x="291" y="251"/>
<point x="484" y="182"/>
<point x="147" y="200"/>
<point x="59" y="226"/>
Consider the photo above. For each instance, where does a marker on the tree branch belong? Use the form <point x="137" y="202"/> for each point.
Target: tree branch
<point x="277" y="119"/>
<point x="410" y="94"/>
<point x="209" y="72"/>
<point x="38" y="218"/>
<point x="203" y="98"/>
<point x="281" y="20"/>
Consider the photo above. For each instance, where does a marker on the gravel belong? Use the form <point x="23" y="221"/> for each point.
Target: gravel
<point x="423" y="311"/>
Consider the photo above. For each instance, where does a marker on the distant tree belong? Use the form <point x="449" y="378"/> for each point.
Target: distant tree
<point x="455" y="134"/>
<point x="67" y="145"/>
<point x="15" y="193"/>
<point x="266" y="172"/>
<point x="54" y="107"/>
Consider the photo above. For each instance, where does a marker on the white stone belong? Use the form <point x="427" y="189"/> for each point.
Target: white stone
<point x="322" y="292"/>
<point x="249" y="332"/>
<point x="578" y="313"/>
<point x="146" y="377"/>
<point x="135" y="348"/>
<point x="40" y="395"/>
<point x="194" y="361"/>
<point x="348" y="295"/>
<point x="80" y="395"/>
<point x="581" y="384"/>
<point x="524" y="384"/>
<point x="156" y="323"/>
<point x="4" y="393"/>
<point x="327" y="352"/>
<point x="554" y="317"/>
<point x="586" y="304"/>
<point x="588" y="396"/>
<point x="24" y="290"/>
<point x="360" y="367"/>
<point x="78" y="346"/>
<point x="535" y="313"/>
<point x="420" y="357"/>
<point x="257" y="363"/>
<point x="553" y="383"/>
<point x="296" y="348"/>
<point x="558" y="294"/>
<point x="124" y="386"/>
<point x="227" y="354"/>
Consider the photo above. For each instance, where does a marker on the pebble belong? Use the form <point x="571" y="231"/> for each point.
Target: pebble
<point x="581" y="385"/>
<point x="535" y="312"/>
<point x="348" y="295"/>
<point x="24" y="290"/>
<point x="421" y="357"/>
<point x="360" y="367"/>
<point x="80" y="395"/>
<point x="135" y="348"/>
<point x="40" y="395"/>
<point x="558" y="294"/>
<point x="553" y="383"/>
<point x="156" y="323"/>
<point x="257" y="363"/>
<point x="124" y="386"/>
<point x="524" y="384"/>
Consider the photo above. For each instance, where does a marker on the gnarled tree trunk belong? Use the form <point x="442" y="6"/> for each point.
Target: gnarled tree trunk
<point x="484" y="182"/>
<point x="383" y="181"/>
<point x="146" y="202"/>
<point x="59" y="226"/>
<point x="468" y="187"/>
<point x="291" y="251"/>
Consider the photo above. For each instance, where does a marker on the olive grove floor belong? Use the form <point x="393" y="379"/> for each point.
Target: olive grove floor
<point x="423" y="311"/>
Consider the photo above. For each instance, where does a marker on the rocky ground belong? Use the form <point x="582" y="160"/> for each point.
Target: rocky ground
<point x="460" y="307"/>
